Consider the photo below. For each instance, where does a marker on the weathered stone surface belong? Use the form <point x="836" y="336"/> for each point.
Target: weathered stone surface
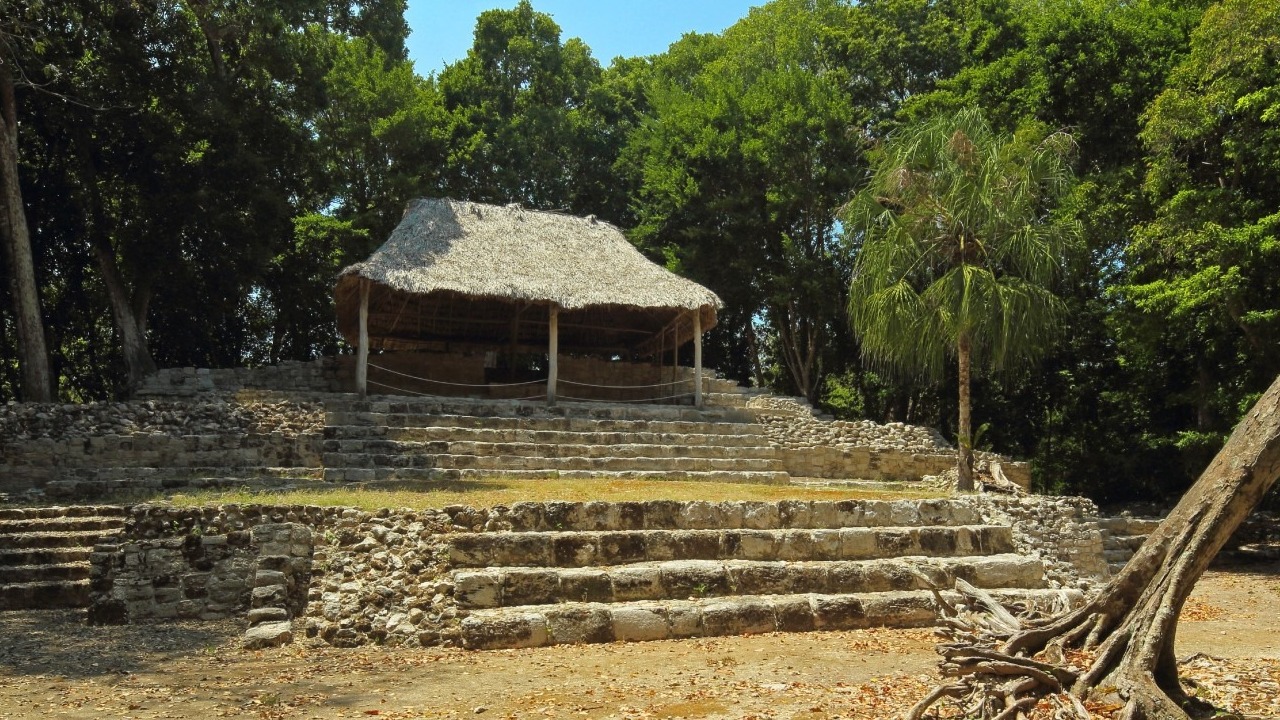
<point x="268" y="634"/>
<point x="267" y="614"/>
<point x="638" y="624"/>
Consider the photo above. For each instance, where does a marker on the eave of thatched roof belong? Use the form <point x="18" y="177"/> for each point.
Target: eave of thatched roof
<point x="455" y="269"/>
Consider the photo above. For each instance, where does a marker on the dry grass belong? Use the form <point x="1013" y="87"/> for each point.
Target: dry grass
<point x="498" y="491"/>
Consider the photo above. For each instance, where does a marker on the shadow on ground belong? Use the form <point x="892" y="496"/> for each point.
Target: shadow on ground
<point x="58" y="642"/>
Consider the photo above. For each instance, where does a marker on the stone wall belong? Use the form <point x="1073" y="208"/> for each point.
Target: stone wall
<point x="818" y="447"/>
<point x="348" y="577"/>
<point x="322" y="375"/>
<point x="208" y="563"/>
<point x="1063" y="531"/>
<point x="40" y="443"/>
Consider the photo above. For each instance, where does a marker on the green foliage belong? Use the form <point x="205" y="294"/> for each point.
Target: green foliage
<point x="518" y="99"/>
<point x="1199" y="300"/>
<point x="957" y="245"/>
<point x="740" y="168"/>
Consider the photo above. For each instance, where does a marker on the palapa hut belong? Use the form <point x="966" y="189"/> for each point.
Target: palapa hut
<point x="462" y="279"/>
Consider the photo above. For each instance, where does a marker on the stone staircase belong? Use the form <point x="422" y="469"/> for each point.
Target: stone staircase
<point x="1122" y="535"/>
<point x="657" y="571"/>
<point x="389" y="440"/>
<point x="44" y="554"/>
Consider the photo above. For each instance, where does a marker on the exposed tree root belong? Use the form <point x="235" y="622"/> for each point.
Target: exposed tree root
<point x="1003" y="664"/>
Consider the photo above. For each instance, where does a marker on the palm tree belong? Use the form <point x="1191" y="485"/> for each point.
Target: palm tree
<point x="958" y="249"/>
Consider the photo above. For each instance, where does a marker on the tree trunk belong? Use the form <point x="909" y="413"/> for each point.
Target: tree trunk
<point x="130" y="316"/>
<point x="37" y="379"/>
<point x="964" y="439"/>
<point x="128" y="309"/>
<point x="1133" y="621"/>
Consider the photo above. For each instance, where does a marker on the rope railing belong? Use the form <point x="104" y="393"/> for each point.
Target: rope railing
<point x="637" y="400"/>
<point x="543" y="381"/>
<point x="626" y="387"/>
<point x="422" y="394"/>
<point x="537" y="382"/>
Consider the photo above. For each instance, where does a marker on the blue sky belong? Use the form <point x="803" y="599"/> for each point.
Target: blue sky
<point x="441" y="29"/>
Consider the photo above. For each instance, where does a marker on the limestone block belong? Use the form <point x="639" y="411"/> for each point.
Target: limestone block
<point x="574" y="549"/>
<point x="635" y="583"/>
<point x="694" y="578"/>
<point x="585" y="585"/>
<point x="579" y="624"/>
<point x="838" y="612"/>
<point x="530" y="586"/>
<point x="759" y="516"/>
<point x="758" y="545"/>
<point x="857" y="543"/>
<point x="738" y="616"/>
<point x="900" y="610"/>
<point x="504" y="631"/>
<point x="793" y="614"/>
<point x="477" y="589"/>
<point x="663" y="545"/>
<point x="619" y="548"/>
<point x="268" y="634"/>
<point x="638" y="624"/>
<point x="698" y="544"/>
<point x="267" y="614"/>
<point x="269" y="595"/>
<point x="685" y="620"/>
<point x="264" y="578"/>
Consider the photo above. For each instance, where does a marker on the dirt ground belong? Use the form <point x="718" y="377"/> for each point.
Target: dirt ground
<point x="51" y="665"/>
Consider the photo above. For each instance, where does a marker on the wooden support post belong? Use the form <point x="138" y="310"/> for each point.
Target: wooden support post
<point x="553" y="351"/>
<point x="675" y="351"/>
<point x="697" y="357"/>
<point x="362" y="351"/>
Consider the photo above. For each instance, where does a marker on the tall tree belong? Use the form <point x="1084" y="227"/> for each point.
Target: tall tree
<point x="750" y="148"/>
<point x="185" y="155"/>
<point x="19" y="34"/>
<point x="958" y="249"/>
<point x="515" y="98"/>
<point x="1203" y="272"/>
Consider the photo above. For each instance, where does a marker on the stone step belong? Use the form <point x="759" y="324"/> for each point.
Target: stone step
<point x="499" y="463"/>
<point x="175" y="475"/>
<point x="54" y="524"/>
<point x="583" y="445"/>
<point x="725" y="399"/>
<point x="488" y="408"/>
<point x="1117" y="556"/>
<point x="44" y="556"/>
<point x="348" y="421"/>
<point x="736" y="515"/>
<point x="40" y="540"/>
<point x="1123" y="525"/>
<point x="548" y="437"/>
<point x="426" y="478"/>
<point x="586" y="549"/>
<point x="693" y="579"/>
<point x="10" y="575"/>
<point x="755" y="477"/>
<point x="122" y="482"/>
<point x="577" y="623"/>
<point x="58" y="511"/>
<point x="1130" y="543"/>
<point x="44" y="595"/>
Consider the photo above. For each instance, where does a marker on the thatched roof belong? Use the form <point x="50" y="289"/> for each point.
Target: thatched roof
<point x="458" y="271"/>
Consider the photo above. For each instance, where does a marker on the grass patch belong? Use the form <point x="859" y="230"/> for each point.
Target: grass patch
<point x="499" y="491"/>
